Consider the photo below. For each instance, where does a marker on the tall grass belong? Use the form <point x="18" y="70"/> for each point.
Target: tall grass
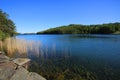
<point x="19" y="47"/>
<point x="1" y="48"/>
<point x="15" y="47"/>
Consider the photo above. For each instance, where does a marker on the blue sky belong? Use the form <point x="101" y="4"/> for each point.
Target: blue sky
<point x="38" y="15"/>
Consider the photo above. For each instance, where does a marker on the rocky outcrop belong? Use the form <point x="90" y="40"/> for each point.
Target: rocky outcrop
<point x="9" y="70"/>
<point x="22" y="74"/>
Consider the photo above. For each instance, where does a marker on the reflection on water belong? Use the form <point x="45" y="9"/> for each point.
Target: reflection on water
<point x="46" y="52"/>
<point x="65" y="57"/>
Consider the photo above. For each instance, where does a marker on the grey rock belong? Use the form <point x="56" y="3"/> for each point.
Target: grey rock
<point x="7" y="70"/>
<point x="2" y="52"/>
<point x="22" y="74"/>
<point x="3" y="58"/>
<point x="10" y="70"/>
<point x="35" y="76"/>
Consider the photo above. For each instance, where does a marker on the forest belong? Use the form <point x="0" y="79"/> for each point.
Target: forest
<point x="7" y="26"/>
<point x="109" y="28"/>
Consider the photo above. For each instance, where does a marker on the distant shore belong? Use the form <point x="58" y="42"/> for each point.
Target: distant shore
<point x="108" y="28"/>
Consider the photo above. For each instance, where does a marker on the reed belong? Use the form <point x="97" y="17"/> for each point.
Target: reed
<point x="19" y="47"/>
<point x="0" y="45"/>
<point x="15" y="47"/>
<point x="33" y="48"/>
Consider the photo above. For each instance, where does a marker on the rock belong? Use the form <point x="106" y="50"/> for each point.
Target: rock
<point x="24" y="62"/>
<point x="1" y="52"/>
<point x="15" y="69"/>
<point x="7" y="70"/>
<point x="21" y="61"/>
<point x="3" y="58"/>
<point x="22" y="74"/>
<point x="35" y="76"/>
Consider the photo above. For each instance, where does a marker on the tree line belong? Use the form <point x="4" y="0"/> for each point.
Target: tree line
<point x="108" y="28"/>
<point x="7" y="26"/>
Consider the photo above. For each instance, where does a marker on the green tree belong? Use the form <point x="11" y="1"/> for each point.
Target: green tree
<point x="84" y="29"/>
<point x="7" y="26"/>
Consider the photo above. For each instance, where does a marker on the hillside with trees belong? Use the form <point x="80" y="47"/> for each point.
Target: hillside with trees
<point x="7" y="26"/>
<point x="109" y="28"/>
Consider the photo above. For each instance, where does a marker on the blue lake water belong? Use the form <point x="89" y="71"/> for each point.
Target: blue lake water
<point x="99" y="54"/>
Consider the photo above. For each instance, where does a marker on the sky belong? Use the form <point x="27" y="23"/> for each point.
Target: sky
<point x="37" y="15"/>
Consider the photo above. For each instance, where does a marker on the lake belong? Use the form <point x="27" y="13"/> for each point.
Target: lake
<point x="75" y="57"/>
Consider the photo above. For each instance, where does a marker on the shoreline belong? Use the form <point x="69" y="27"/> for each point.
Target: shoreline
<point x="16" y="69"/>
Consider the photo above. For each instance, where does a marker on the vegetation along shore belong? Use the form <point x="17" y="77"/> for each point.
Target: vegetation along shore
<point x="108" y="28"/>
